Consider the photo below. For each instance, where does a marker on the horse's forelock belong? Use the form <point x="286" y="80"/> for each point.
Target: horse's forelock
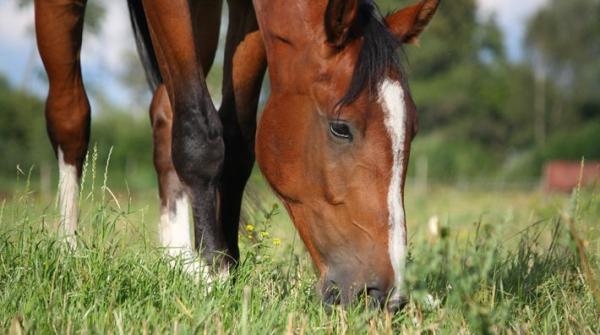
<point x="379" y="56"/>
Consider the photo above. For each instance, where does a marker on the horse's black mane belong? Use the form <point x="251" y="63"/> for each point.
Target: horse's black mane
<point x="378" y="57"/>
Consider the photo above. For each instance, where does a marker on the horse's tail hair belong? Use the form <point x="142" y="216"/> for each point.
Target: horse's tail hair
<point x="144" y="44"/>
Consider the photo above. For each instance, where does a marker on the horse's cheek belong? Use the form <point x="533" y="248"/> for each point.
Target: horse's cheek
<point x="276" y="156"/>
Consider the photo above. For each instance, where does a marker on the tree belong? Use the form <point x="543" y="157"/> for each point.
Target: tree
<point x="457" y="74"/>
<point x="564" y="48"/>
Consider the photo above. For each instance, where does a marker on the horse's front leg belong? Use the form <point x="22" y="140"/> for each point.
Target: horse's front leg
<point x="59" y="26"/>
<point x="245" y="65"/>
<point x="197" y="135"/>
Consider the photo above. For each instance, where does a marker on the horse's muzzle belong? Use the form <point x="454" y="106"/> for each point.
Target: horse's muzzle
<point x="334" y="294"/>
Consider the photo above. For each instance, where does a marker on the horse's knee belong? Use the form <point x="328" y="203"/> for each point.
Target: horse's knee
<point x="68" y="124"/>
<point x="191" y="151"/>
<point x="198" y="161"/>
<point x="161" y="118"/>
<point x="198" y="149"/>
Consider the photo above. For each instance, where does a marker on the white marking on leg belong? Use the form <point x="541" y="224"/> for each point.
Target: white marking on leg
<point x="391" y="96"/>
<point x="68" y="194"/>
<point x="175" y="226"/>
<point x="175" y="237"/>
<point x="175" y="232"/>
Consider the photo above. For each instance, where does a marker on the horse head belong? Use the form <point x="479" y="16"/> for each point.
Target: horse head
<point x="334" y="139"/>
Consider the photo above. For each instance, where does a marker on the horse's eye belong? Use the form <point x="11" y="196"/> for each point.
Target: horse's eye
<point x="340" y="130"/>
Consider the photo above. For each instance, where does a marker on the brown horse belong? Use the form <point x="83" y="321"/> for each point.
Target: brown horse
<point x="333" y="141"/>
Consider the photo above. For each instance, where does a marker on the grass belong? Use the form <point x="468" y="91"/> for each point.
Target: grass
<point x="500" y="262"/>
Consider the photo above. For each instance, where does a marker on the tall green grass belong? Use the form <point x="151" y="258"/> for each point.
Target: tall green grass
<point x="498" y="263"/>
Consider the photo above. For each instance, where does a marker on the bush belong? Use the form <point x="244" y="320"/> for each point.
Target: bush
<point x="24" y="141"/>
<point x="451" y="160"/>
<point x="574" y="144"/>
<point x="131" y="140"/>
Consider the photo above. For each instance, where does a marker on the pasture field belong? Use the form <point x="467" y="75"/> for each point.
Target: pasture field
<point x="499" y="262"/>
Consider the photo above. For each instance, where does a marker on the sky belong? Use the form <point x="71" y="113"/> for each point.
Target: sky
<point x="101" y="55"/>
<point x="512" y="17"/>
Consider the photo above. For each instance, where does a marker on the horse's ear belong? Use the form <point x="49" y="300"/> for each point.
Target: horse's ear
<point x="339" y="17"/>
<point x="408" y="23"/>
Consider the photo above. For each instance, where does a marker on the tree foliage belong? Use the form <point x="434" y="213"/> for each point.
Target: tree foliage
<point x="563" y="45"/>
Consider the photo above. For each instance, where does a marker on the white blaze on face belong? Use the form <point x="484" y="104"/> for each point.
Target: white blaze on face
<point x="391" y="97"/>
<point x="68" y="193"/>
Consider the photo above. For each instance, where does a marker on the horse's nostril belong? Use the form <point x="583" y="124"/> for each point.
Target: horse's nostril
<point x="386" y="299"/>
<point x="331" y="293"/>
<point x="396" y="305"/>
<point x="376" y="295"/>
